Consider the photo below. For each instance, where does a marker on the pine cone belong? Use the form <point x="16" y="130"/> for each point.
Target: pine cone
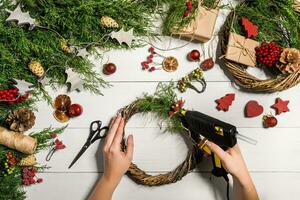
<point x="21" y="119"/>
<point x="108" y="22"/>
<point x="36" y="68"/>
<point x="28" y="161"/>
<point x="65" y="46"/>
<point x="289" y="61"/>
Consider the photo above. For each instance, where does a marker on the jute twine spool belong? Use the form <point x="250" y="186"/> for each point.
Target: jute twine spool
<point x="17" y="141"/>
<point x="194" y="156"/>
<point x="250" y="82"/>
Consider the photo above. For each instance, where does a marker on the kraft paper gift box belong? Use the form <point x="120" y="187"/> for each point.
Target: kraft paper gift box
<point x="202" y="27"/>
<point x="241" y="49"/>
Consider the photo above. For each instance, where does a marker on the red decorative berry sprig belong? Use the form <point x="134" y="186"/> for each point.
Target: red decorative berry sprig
<point x="29" y="176"/>
<point x="268" y="54"/>
<point x="176" y="108"/>
<point x="189" y="8"/>
<point x="11" y="96"/>
<point x="146" y="64"/>
<point x="10" y="163"/>
<point x="56" y="145"/>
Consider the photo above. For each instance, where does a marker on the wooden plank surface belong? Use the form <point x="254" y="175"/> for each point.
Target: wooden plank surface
<point x="194" y="186"/>
<point x="273" y="161"/>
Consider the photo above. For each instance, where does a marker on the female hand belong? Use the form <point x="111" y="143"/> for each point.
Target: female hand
<point x="116" y="161"/>
<point x="233" y="162"/>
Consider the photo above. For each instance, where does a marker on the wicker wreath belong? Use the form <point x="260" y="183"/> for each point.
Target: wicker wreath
<point x="194" y="156"/>
<point x="248" y="81"/>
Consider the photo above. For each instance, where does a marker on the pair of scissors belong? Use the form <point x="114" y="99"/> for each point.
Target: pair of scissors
<point x="95" y="134"/>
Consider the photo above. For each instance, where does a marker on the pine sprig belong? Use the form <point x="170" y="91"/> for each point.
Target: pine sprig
<point x="160" y="104"/>
<point x="43" y="137"/>
<point x="276" y="19"/>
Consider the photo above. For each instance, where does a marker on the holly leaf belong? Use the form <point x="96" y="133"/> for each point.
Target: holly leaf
<point x="250" y="28"/>
<point x="75" y="80"/>
<point x="123" y="36"/>
<point x="23" y="86"/>
<point x="21" y="17"/>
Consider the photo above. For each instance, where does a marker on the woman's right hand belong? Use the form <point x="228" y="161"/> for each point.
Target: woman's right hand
<point x="232" y="160"/>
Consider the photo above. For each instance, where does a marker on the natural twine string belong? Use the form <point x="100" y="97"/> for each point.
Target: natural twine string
<point x="17" y="141"/>
<point x="250" y="82"/>
<point x="194" y="156"/>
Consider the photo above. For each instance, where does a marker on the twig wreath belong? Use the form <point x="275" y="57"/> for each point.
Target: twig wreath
<point x="166" y="107"/>
<point x="278" y="22"/>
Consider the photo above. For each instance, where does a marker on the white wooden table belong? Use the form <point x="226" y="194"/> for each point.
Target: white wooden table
<point x="273" y="162"/>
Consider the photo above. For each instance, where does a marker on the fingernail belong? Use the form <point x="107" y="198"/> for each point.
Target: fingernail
<point x="208" y="143"/>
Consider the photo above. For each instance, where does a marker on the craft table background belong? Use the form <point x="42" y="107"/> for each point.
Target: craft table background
<point x="273" y="162"/>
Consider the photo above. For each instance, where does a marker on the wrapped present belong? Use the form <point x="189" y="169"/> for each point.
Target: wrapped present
<point x="241" y="50"/>
<point x="202" y="27"/>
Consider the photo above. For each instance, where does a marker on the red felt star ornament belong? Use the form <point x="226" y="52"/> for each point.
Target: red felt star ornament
<point x="250" y="28"/>
<point x="225" y="102"/>
<point x="281" y="106"/>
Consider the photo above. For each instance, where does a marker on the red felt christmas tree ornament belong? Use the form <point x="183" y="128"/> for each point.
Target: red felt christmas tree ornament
<point x="225" y="102"/>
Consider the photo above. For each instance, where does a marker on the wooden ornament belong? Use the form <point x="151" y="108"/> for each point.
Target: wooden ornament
<point x="225" y="102"/>
<point x="123" y="36"/>
<point x="250" y="28"/>
<point x="253" y="109"/>
<point x="281" y="106"/>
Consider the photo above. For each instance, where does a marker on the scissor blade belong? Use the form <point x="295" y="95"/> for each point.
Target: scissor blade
<point x="82" y="150"/>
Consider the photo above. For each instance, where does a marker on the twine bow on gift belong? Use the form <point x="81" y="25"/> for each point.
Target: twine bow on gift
<point x="240" y="43"/>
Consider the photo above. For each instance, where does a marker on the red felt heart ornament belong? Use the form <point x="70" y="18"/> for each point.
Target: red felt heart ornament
<point x="253" y="109"/>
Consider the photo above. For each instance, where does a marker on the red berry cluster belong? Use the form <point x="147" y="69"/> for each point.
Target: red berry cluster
<point x="11" y="159"/>
<point x="58" y="143"/>
<point x="176" y="108"/>
<point x="189" y="8"/>
<point x="11" y="96"/>
<point x="268" y="54"/>
<point x="145" y="64"/>
<point x="29" y="176"/>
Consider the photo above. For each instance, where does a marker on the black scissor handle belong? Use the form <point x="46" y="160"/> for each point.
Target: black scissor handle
<point x="96" y="131"/>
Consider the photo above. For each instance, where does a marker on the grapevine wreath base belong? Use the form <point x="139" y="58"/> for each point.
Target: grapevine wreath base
<point x="280" y="81"/>
<point x="166" y="108"/>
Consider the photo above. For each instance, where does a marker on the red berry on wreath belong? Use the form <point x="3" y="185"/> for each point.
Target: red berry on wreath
<point x="75" y="110"/>
<point x="268" y="54"/>
<point x="109" y="68"/>
<point x="207" y="64"/>
<point x="194" y="55"/>
<point x="269" y="121"/>
<point x="186" y="13"/>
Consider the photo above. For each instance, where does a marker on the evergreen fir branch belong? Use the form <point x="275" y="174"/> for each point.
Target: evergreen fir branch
<point x="276" y="19"/>
<point x="43" y="137"/>
<point x="160" y="104"/>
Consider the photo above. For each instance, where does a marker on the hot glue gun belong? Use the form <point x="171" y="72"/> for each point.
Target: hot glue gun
<point x="219" y="132"/>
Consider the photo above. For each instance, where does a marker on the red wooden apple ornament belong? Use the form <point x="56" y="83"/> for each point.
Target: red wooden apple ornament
<point x="75" y="110"/>
<point x="194" y="55"/>
<point x="269" y="121"/>
<point x="109" y="68"/>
